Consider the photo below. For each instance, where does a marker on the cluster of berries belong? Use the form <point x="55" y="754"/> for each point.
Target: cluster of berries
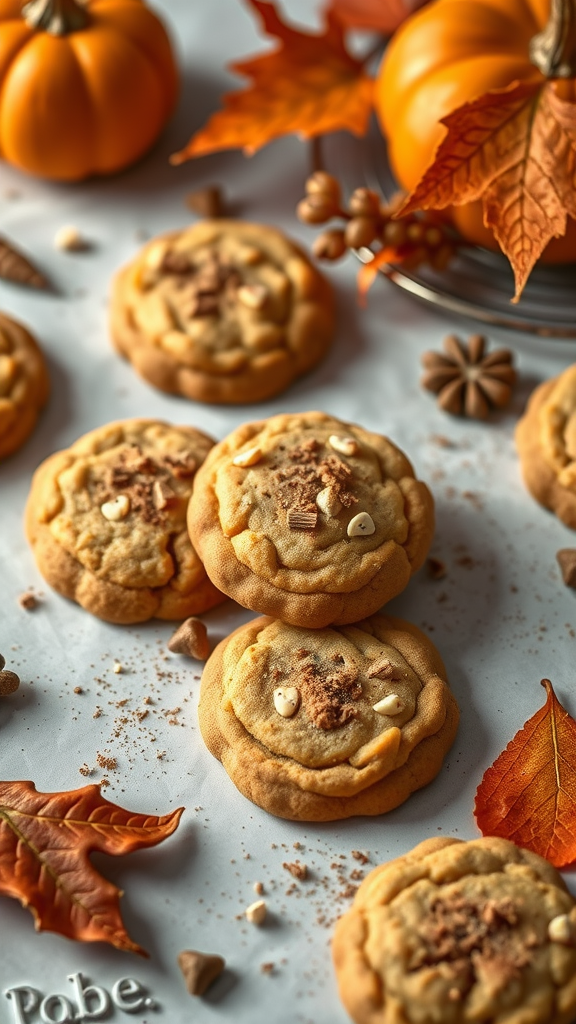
<point x="411" y="240"/>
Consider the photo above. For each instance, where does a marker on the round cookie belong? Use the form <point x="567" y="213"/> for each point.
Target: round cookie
<point x="546" y="441"/>
<point x="458" y="932"/>
<point x="309" y="519"/>
<point x="316" y="725"/>
<point x="223" y="311"/>
<point x="24" y="384"/>
<point x="106" y="519"/>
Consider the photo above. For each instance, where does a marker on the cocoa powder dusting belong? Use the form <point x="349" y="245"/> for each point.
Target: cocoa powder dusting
<point x="327" y="696"/>
<point x="473" y="938"/>
<point x="301" y="473"/>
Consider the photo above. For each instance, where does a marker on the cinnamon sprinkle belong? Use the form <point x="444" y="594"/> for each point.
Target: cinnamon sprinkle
<point x="327" y="698"/>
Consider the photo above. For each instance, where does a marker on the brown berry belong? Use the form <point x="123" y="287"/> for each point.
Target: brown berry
<point x="316" y="209"/>
<point x="330" y="245"/>
<point x="364" y="203"/>
<point x="394" y="233"/>
<point x="324" y="184"/>
<point x="360" y="231"/>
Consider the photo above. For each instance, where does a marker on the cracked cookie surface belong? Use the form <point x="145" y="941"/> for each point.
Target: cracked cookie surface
<point x="24" y="385"/>
<point x="106" y="519"/>
<point x="455" y="932"/>
<point x="310" y="519"/>
<point x="317" y="725"/>
<point x="546" y="441"/>
<point x="223" y="311"/>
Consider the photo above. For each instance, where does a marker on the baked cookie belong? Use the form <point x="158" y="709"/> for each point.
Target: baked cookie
<point x="456" y="932"/>
<point x="546" y="441"/>
<point x="309" y="519"/>
<point x="315" y="725"/>
<point x="107" y="521"/>
<point x="223" y="311"/>
<point x="24" y="384"/>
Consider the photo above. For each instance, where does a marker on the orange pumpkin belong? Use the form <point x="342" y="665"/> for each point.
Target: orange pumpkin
<point x="447" y="54"/>
<point x="84" y="88"/>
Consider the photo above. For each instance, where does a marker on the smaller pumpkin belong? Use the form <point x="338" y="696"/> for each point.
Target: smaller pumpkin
<point x="85" y="88"/>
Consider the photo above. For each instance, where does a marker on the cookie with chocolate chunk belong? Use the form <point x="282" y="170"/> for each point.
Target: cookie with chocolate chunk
<point x="310" y="519"/>
<point x="24" y="385"/>
<point x="223" y="311"/>
<point x="459" y="931"/>
<point x="546" y="441"/>
<point x="106" y="519"/>
<point x="316" y="725"/>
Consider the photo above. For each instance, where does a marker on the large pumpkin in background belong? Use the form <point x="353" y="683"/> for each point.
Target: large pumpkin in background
<point x="447" y="54"/>
<point x="85" y="88"/>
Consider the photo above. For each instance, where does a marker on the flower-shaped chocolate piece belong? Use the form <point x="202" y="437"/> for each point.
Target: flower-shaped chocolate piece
<point x="468" y="382"/>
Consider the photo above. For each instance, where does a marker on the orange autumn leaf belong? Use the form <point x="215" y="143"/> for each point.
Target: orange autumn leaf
<point x="369" y="271"/>
<point x="45" y="842"/>
<point x="529" y="793"/>
<point x="375" y="15"/>
<point x="515" y="149"/>
<point x="309" y="84"/>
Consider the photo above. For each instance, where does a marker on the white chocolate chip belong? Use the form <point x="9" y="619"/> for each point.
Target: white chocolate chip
<point x="328" y="502"/>
<point x="286" y="700"/>
<point x="248" y="458"/>
<point x="116" y="509"/>
<point x="118" y="667"/>
<point x="256" y="912"/>
<point x="560" y="930"/>
<point x="389" y="705"/>
<point x="253" y="295"/>
<point x="361" y="525"/>
<point x="343" y="445"/>
<point x="69" y="239"/>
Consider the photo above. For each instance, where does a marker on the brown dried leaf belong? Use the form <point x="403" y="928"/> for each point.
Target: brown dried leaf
<point x="17" y="268"/>
<point x="514" y="148"/>
<point x="309" y="85"/>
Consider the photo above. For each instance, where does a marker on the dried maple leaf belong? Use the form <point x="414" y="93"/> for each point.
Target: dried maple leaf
<point x="376" y="15"/>
<point x="514" y="148"/>
<point x="45" y="842"/>
<point x="529" y="793"/>
<point x="309" y="85"/>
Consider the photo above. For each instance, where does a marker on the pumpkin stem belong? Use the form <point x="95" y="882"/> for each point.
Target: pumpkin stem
<point x="58" y="17"/>
<point x="553" y="50"/>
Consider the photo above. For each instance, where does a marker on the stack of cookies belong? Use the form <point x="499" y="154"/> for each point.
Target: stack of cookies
<point x="321" y="709"/>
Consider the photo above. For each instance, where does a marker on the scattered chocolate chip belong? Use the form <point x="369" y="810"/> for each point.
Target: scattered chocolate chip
<point x="200" y="970"/>
<point x="299" y="520"/>
<point x="436" y="568"/>
<point x="566" y="559"/>
<point x="191" y="638"/>
<point x="9" y="682"/>
<point x="206" y="202"/>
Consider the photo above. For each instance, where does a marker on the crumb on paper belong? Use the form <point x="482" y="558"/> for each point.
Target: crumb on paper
<point x="28" y="601"/>
<point x="298" y="870"/>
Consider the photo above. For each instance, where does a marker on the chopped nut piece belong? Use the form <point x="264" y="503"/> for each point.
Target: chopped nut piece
<point x="248" y="458"/>
<point x="162" y="494"/>
<point x="28" y="602"/>
<point x="560" y="930"/>
<point x="256" y="912"/>
<point x="436" y="568"/>
<point x="300" y="520"/>
<point x="361" y="525"/>
<point x="566" y="559"/>
<point x="116" y="509"/>
<point x="69" y="239"/>
<point x="344" y="445"/>
<point x="118" y="668"/>
<point x="286" y="700"/>
<point x="300" y="871"/>
<point x="382" y="668"/>
<point x="191" y="638"/>
<point x="206" y="202"/>
<point x="9" y="682"/>
<point x="389" y="705"/>
<point x="200" y="970"/>
<point x="78" y="689"/>
<point x="258" y="888"/>
<point x="328" y="502"/>
<point x="253" y="295"/>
